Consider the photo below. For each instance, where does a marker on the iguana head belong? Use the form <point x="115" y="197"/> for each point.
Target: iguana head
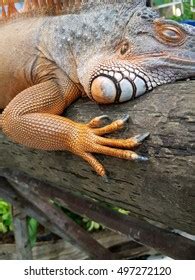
<point x="134" y="50"/>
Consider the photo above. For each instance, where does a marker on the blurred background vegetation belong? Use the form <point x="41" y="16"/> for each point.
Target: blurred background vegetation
<point x="175" y="9"/>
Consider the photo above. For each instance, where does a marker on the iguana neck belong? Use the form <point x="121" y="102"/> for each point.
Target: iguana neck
<point x="55" y="45"/>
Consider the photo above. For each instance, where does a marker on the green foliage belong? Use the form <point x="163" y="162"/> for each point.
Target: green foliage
<point x="187" y="12"/>
<point x="122" y="211"/>
<point x="90" y="225"/>
<point x="93" y="226"/>
<point x="160" y="2"/>
<point x="6" y="223"/>
<point x="5" y="217"/>
<point x="84" y="222"/>
<point x="32" y="230"/>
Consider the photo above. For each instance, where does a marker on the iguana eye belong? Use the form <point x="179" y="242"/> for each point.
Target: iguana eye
<point x="124" y="48"/>
<point x="170" y="34"/>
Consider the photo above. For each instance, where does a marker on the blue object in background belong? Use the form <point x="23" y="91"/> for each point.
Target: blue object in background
<point x="19" y="6"/>
<point x="190" y="21"/>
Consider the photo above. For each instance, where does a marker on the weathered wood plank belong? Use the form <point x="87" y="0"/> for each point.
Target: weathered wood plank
<point x="161" y="240"/>
<point x="23" y="246"/>
<point x="62" y="250"/>
<point x="52" y="218"/>
<point x="161" y="189"/>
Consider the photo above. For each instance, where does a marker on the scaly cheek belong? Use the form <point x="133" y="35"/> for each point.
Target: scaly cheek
<point x="118" y="84"/>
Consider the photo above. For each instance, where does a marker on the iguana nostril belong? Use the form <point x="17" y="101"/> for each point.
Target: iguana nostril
<point x="103" y="90"/>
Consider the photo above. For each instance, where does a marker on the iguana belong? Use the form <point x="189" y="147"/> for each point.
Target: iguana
<point x="111" y="51"/>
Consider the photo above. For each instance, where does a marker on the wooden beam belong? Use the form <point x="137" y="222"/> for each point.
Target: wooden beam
<point x="142" y="232"/>
<point x="23" y="246"/>
<point x="53" y="219"/>
<point x="63" y="250"/>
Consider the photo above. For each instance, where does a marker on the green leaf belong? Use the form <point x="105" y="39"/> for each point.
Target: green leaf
<point x="32" y="230"/>
<point x="5" y="217"/>
<point x="3" y="228"/>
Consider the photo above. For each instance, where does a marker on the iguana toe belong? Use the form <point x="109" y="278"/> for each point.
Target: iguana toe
<point x="114" y="126"/>
<point x="98" y="121"/>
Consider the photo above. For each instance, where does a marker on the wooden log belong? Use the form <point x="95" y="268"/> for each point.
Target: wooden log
<point x="161" y="190"/>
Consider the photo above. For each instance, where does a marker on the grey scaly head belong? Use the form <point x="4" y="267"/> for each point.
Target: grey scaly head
<point x="127" y="50"/>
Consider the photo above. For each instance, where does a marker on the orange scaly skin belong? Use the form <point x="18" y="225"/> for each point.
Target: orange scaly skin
<point x="58" y="49"/>
<point x="36" y="97"/>
<point x="32" y="119"/>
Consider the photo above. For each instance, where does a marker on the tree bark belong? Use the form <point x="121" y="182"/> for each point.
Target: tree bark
<point x="161" y="189"/>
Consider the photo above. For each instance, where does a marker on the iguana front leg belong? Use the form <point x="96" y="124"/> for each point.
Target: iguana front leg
<point x="32" y="119"/>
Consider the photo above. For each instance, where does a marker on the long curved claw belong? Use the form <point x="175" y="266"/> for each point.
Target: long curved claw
<point x="125" y="118"/>
<point x="141" y="137"/>
<point x="98" y="121"/>
<point x="104" y="117"/>
<point x="140" y="158"/>
<point x="114" y="126"/>
<point x="105" y="179"/>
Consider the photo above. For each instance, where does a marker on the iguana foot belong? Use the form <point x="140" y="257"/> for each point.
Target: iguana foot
<point x="90" y="140"/>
